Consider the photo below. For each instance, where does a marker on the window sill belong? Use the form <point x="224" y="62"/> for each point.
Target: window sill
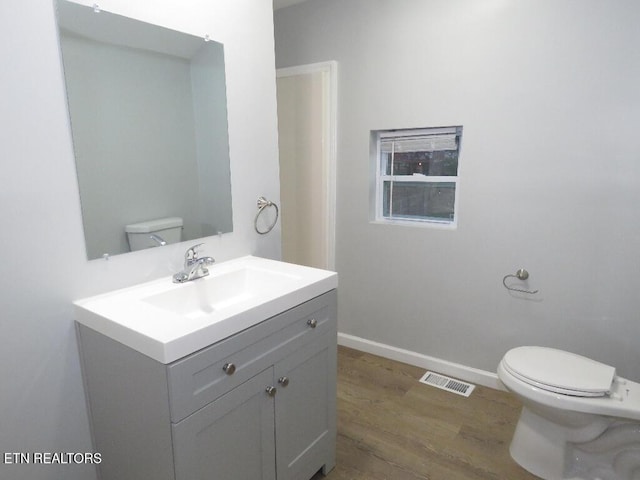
<point x="417" y="223"/>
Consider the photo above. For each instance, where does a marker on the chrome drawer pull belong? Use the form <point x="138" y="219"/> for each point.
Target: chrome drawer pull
<point x="271" y="391"/>
<point x="229" y="368"/>
<point x="313" y="323"/>
<point x="284" y="381"/>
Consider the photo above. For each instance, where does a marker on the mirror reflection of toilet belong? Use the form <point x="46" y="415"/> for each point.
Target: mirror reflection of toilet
<point x="154" y="233"/>
<point x="579" y="419"/>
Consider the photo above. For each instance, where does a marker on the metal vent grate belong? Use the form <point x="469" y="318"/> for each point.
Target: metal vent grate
<point x="448" y="384"/>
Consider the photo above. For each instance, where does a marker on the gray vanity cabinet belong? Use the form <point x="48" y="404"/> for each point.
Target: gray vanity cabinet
<point x="232" y="436"/>
<point x="259" y="405"/>
<point x="305" y="406"/>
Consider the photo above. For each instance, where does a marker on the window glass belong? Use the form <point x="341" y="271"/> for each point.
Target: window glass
<point x="444" y="163"/>
<point x="419" y="200"/>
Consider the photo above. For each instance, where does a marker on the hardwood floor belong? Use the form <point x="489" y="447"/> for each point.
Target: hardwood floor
<point x="391" y="427"/>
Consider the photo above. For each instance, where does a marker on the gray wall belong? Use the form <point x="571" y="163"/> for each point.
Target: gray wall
<point x="42" y="254"/>
<point x="547" y="92"/>
<point x="212" y="145"/>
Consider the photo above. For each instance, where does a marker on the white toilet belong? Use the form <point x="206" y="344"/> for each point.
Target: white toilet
<point x="579" y="420"/>
<point x="154" y="233"/>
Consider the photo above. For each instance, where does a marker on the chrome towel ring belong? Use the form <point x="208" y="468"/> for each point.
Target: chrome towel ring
<point x="521" y="274"/>
<point x="263" y="203"/>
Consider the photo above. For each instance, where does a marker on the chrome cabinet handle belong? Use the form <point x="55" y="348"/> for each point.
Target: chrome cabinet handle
<point x="271" y="391"/>
<point x="229" y="368"/>
<point x="313" y="323"/>
<point x="284" y="381"/>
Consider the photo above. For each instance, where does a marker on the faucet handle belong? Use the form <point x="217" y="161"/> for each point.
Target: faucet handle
<point x="192" y="252"/>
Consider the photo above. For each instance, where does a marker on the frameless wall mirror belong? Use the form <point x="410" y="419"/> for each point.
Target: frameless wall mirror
<point x="148" y="116"/>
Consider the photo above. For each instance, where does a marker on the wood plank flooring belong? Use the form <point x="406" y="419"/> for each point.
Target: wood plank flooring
<point x="391" y="427"/>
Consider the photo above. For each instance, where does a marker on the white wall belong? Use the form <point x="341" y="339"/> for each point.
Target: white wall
<point x="547" y="92"/>
<point x="42" y="254"/>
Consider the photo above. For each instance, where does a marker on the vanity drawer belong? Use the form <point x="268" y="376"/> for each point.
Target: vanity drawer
<point x="200" y="378"/>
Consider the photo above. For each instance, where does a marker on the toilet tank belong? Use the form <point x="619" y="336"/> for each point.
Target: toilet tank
<point x="148" y="234"/>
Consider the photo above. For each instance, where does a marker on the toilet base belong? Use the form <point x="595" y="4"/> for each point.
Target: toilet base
<point x="539" y="446"/>
<point x="544" y="448"/>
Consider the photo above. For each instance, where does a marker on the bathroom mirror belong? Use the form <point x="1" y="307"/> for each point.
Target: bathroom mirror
<point x="148" y="115"/>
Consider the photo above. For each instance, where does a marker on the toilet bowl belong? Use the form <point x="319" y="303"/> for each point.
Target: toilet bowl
<point x="579" y="419"/>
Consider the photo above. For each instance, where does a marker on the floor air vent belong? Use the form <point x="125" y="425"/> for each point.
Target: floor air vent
<point x="448" y="384"/>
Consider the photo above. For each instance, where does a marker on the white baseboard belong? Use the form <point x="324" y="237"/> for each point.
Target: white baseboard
<point x="461" y="372"/>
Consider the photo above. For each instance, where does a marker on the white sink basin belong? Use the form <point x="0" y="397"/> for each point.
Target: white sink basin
<point x="167" y="321"/>
<point x="222" y="290"/>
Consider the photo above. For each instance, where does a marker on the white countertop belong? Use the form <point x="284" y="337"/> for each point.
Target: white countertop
<point x="167" y="321"/>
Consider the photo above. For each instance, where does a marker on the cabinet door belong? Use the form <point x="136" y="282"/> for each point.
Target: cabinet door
<point x="305" y="410"/>
<point x="230" y="438"/>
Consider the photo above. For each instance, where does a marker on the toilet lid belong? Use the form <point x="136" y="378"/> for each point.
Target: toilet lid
<point x="559" y="371"/>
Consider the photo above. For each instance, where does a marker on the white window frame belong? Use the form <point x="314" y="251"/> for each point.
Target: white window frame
<point x="380" y="177"/>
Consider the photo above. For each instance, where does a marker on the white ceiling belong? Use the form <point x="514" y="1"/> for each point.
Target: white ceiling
<point x="285" y="3"/>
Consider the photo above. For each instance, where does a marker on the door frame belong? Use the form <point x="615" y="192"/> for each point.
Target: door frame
<point x="329" y="72"/>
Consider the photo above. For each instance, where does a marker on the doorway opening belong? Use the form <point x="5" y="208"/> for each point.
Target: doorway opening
<point x="307" y="104"/>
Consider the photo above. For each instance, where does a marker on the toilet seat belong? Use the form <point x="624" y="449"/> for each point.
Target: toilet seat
<point x="559" y="372"/>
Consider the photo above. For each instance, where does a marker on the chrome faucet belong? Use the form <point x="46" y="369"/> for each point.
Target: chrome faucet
<point x="194" y="266"/>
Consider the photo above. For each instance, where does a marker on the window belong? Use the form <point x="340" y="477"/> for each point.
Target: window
<point x="417" y="175"/>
